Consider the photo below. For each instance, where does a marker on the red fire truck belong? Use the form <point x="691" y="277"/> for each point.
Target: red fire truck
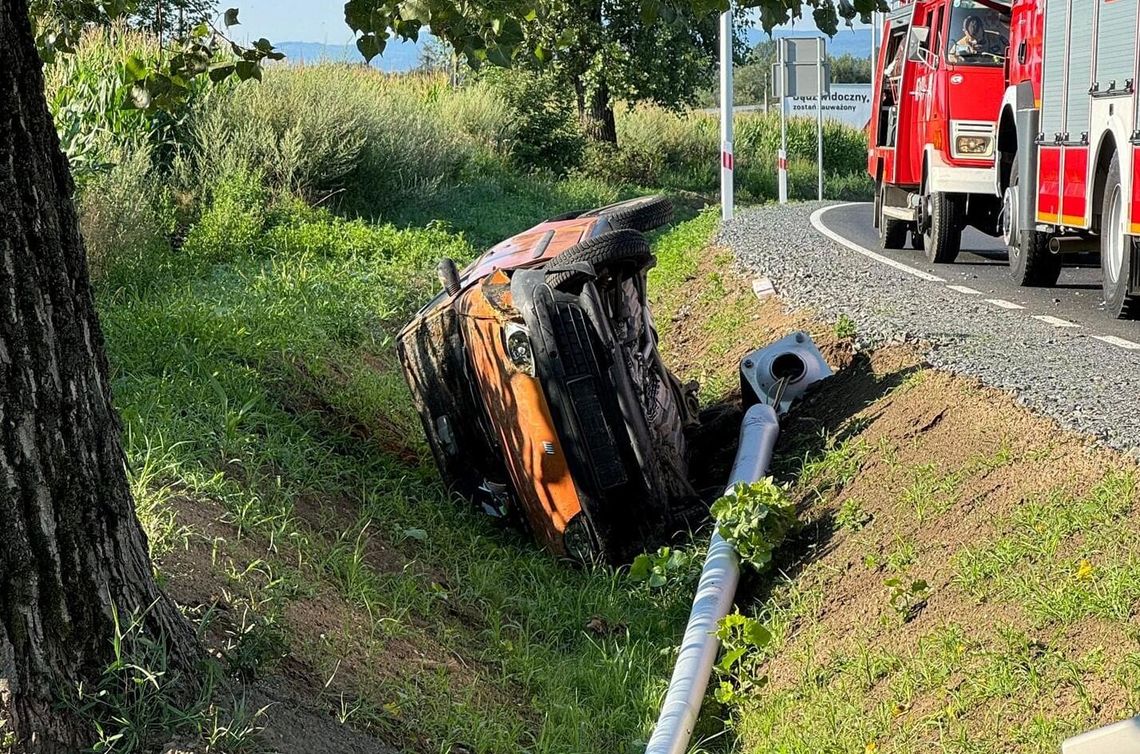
<point x="1069" y="143"/>
<point x="940" y="77"/>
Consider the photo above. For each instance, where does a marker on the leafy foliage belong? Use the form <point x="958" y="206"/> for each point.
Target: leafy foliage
<point x="851" y="515"/>
<point x="668" y="565"/>
<point x="743" y="640"/>
<point x="906" y="598"/>
<point x="755" y="518"/>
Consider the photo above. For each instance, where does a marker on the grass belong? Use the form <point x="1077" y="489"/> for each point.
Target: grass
<point x="256" y="377"/>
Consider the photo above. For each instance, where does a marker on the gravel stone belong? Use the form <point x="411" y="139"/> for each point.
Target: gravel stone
<point x="1084" y="384"/>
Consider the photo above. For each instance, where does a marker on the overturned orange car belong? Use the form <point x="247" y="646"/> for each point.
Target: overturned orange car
<point x="541" y="390"/>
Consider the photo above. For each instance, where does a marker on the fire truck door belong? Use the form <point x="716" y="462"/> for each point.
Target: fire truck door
<point x="923" y="61"/>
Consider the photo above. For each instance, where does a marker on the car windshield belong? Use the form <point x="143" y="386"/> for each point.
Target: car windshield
<point x="979" y="33"/>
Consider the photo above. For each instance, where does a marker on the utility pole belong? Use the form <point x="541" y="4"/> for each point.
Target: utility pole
<point x="726" y="157"/>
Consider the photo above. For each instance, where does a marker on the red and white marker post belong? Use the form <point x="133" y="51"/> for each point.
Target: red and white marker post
<point x="727" y="161"/>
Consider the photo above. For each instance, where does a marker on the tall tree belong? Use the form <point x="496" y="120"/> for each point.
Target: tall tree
<point x="609" y="50"/>
<point x="72" y="551"/>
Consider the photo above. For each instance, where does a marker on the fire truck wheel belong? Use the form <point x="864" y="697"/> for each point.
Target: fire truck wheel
<point x="942" y="237"/>
<point x="1030" y="263"/>
<point x="1117" y="251"/>
<point x="892" y="232"/>
<point x="618" y="249"/>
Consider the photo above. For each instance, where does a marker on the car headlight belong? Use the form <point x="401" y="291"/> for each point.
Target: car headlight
<point x="517" y="341"/>
<point x="979" y="145"/>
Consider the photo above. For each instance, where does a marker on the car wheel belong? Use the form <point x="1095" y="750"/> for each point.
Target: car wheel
<point x="612" y="252"/>
<point x="1116" y="249"/>
<point x="644" y="213"/>
<point x="1030" y="263"/>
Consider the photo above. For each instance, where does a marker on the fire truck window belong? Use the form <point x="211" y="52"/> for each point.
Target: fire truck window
<point x="978" y="33"/>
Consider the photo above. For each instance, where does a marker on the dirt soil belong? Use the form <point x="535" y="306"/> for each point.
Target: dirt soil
<point x="936" y="466"/>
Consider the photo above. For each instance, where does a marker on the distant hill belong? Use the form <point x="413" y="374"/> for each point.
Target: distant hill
<point x="404" y="56"/>
<point x="398" y="55"/>
<point x="854" y="41"/>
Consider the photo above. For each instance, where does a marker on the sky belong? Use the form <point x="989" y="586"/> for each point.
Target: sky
<point x="321" y="20"/>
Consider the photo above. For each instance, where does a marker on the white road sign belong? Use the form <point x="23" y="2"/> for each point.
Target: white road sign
<point x="846" y="103"/>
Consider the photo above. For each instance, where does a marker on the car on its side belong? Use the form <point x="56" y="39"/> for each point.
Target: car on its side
<point x="540" y="387"/>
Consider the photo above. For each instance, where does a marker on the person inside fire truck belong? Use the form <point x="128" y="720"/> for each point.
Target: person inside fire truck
<point x="978" y="42"/>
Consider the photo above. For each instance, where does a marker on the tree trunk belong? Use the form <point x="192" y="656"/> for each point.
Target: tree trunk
<point x="596" y="112"/>
<point x="70" y="544"/>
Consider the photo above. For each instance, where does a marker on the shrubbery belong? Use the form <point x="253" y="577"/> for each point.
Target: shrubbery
<point x="367" y="144"/>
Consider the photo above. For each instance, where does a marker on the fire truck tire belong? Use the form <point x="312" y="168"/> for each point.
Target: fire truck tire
<point x="892" y="232"/>
<point x="1118" y="253"/>
<point x="617" y="249"/>
<point x="943" y="235"/>
<point x="1030" y="263"/>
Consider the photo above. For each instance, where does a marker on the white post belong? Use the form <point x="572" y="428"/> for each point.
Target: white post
<point x="819" y="114"/>
<point x="726" y="157"/>
<point x="782" y="155"/>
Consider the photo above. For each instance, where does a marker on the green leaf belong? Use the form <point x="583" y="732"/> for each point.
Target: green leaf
<point x="756" y="634"/>
<point x="221" y="72"/>
<point x="657" y="580"/>
<point x="416" y="534"/>
<point x="730" y="658"/>
<point x="370" y="45"/>
<point x="231" y="17"/>
<point x="247" y="69"/>
<point x="135" y="68"/>
<point x="640" y="568"/>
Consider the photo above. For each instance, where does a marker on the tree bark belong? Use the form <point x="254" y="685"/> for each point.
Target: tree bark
<point x="596" y="112"/>
<point x="71" y="546"/>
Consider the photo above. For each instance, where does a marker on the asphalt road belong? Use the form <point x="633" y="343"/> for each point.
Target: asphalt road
<point x="982" y="267"/>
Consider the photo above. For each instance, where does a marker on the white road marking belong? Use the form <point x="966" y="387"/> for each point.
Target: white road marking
<point x="817" y="223"/>
<point x="1002" y="303"/>
<point x="1112" y="340"/>
<point x="1055" y="321"/>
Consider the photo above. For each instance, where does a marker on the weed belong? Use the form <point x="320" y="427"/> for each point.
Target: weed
<point x="755" y="518"/>
<point x="743" y="640"/>
<point x="851" y="515"/>
<point x="669" y="565"/>
<point x="902" y="554"/>
<point x="845" y="328"/>
<point x="906" y="599"/>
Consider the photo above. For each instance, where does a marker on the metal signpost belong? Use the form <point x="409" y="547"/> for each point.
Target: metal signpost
<point x="801" y="70"/>
<point x="726" y="158"/>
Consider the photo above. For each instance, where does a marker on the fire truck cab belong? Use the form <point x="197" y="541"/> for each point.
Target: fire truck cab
<point x="940" y="76"/>
<point x="1069" y="143"/>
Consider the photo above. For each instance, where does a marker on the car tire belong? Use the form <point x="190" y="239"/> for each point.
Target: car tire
<point x="1117" y="249"/>
<point x="644" y="213"/>
<point x="942" y="238"/>
<point x="614" y="251"/>
<point x="573" y="214"/>
<point x="1030" y="263"/>
<point x="892" y="232"/>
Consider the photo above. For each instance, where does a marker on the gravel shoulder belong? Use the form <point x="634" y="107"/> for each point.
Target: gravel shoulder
<point x="1084" y="384"/>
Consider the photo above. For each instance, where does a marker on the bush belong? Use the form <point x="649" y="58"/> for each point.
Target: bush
<point x="127" y="217"/>
<point x="367" y="138"/>
<point x="681" y="150"/>
<point x="232" y="222"/>
<point x="546" y="131"/>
